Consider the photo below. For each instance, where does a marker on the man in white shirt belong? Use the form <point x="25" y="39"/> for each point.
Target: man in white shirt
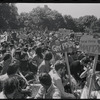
<point x="55" y="74"/>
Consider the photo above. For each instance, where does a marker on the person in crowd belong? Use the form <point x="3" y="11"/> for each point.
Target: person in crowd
<point x="6" y="62"/>
<point x="38" y="57"/>
<point x="17" y="56"/>
<point x="95" y="83"/>
<point x="56" y="75"/>
<point x="80" y="55"/>
<point x="12" y="50"/>
<point x="32" y="71"/>
<point x="12" y="70"/>
<point x="24" y="63"/>
<point x="27" y="67"/>
<point x="98" y="64"/>
<point x="11" y="89"/>
<point x="70" y="58"/>
<point x="74" y="56"/>
<point x="3" y="51"/>
<point x="47" y="89"/>
<point x="44" y="67"/>
<point x="77" y="67"/>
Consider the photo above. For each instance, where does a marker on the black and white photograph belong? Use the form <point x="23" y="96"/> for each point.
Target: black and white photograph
<point x="49" y="51"/>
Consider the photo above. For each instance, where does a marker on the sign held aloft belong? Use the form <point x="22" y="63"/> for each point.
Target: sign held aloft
<point x="88" y="44"/>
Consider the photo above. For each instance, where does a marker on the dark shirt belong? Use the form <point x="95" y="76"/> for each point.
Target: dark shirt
<point x="76" y="69"/>
<point x="24" y="65"/>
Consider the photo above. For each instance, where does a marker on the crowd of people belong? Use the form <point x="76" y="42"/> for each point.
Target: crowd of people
<point x="25" y="63"/>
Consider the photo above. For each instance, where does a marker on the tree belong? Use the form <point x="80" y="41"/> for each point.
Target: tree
<point x="41" y="18"/>
<point x="70" y="23"/>
<point x="8" y="16"/>
<point x="86" y="21"/>
<point x="95" y="26"/>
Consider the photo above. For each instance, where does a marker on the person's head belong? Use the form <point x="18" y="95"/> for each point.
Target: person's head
<point x="58" y="56"/>
<point x="17" y="54"/>
<point x="3" y="51"/>
<point x="78" y="52"/>
<point x="12" y="89"/>
<point x="12" y="41"/>
<point x="45" y="80"/>
<point x="48" y="56"/>
<point x="7" y="57"/>
<point x="24" y="56"/>
<point x="85" y="61"/>
<point x="25" y="49"/>
<point x="11" y="46"/>
<point x="38" y="51"/>
<point x="12" y="69"/>
<point x="60" y="67"/>
<point x="7" y="47"/>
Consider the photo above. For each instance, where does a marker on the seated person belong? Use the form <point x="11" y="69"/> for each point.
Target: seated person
<point x="47" y="90"/>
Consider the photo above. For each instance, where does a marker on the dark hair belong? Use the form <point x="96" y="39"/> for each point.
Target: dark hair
<point x="59" y="65"/>
<point x="45" y="79"/>
<point x="6" y="57"/>
<point x="86" y="60"/>
<point x="12" y="41"/>
<point x="25" y="49"/>
<point x="10" y="85"/>
<point x="17" y="52"/>
<point x="48" y="56"/>
<point x="11" y="45"/>
<point x="3" y="51"/>
<point x="12" y="69"/>
<point x="38" y="50"/>
<point x="23" y="55"/>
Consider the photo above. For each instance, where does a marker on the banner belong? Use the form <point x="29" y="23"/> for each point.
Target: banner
<point x="58" y="45"/>
<point x="88" y="44"/>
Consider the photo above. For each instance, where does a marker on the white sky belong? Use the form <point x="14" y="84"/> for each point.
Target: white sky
<point x="74" y="9"/>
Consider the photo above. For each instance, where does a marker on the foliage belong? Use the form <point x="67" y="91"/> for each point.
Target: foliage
<point x="43" y="18"/>
<point x="8" y="16"/>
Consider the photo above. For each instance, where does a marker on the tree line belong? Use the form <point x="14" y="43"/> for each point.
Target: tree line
<point x="41" y="18"/>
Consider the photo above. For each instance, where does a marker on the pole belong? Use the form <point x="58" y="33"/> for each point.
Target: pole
<point x="91" y="79"/>
<point x="23" y="78"/>
<point x="68" y="68"/>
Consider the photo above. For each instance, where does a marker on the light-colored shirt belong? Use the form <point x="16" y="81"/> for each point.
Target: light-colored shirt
<point x="56" y="79"/>
<point x="44" y="67"/>
<point x="52" y="93"/>
<point x="95" y="94"/>
<point x="3" y="77"/>
<point x="2" y="96"/>
<point x="37" y="60"/>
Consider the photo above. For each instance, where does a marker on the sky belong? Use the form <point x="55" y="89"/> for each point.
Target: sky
<point x="75" y="10"/>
